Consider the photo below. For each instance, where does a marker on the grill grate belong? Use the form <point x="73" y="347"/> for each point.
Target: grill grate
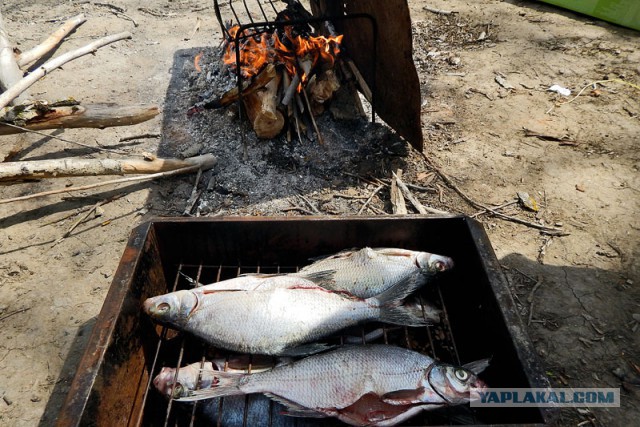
<point x="174" y="349"/>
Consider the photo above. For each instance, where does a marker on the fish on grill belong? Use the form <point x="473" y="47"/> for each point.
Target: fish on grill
<point x="279" y="319"/>
<point x="368" y="272"/>
<point x="370" y="385"/>
<point x="173" y="382"/>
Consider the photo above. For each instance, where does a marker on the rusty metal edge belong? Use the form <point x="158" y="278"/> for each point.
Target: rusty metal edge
<point x="531" y="364"/>
<point x="74" y="406"/>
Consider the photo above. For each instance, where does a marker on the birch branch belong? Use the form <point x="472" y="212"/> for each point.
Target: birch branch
<point x="111" y="182"/>
<point x="51" y="42"/>
<point x="58" y="168"/>
<point x="14" y="91"/>
<point x="10" y="73"/>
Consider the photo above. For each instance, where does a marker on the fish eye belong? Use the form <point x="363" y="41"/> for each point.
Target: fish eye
<point x="440" y="266"/>
<point x="461" y="374"/>
<point x="163" y="306"/>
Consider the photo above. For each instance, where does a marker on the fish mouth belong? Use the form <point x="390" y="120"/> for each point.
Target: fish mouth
<point x="478" y="387"/>
<point x="155" y="308"/>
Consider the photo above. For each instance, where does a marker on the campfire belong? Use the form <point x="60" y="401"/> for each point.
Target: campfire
<point x="288" y="75"/>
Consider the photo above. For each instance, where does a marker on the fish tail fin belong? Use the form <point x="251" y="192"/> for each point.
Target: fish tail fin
<point x="390" y="303"/>
<point x="228" y="384"/>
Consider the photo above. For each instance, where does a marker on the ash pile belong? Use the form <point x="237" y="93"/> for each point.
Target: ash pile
<point x="261" y="171"/>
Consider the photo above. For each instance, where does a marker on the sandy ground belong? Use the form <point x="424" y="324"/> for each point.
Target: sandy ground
<point x="586" y="301"/>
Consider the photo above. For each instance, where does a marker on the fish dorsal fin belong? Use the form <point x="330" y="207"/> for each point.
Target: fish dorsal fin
<point x="342" y="254"/>
<point x="477" y="366"/>
<point x="294" y="409"/>
<point x="394" y="252"/>
<point x="404" y="397"/>
<point x="363" y="256"/>
<point x="325" y="278"/>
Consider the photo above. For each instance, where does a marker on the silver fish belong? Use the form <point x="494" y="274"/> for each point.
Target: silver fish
<point x="172" y="382"/>
<point x="368" y="272"/>
<point x="279" y="318"/>
<point x="373" y="385"/>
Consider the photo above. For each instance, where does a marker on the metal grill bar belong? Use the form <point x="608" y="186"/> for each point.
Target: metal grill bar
<point x="216" y="273"/>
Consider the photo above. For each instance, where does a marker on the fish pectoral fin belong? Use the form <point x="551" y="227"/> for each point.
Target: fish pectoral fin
<point x="292" y="409"/>
<point x="404" y="397"/>
<point x="306" y="350"/>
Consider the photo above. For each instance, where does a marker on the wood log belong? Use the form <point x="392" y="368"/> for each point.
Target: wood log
<point x="267" y="121"/>
<point x="10" y="73"/>
<point x="322" y="89"/>
<point x="51" y="42"/>
<point x="38" y="116"/>
<point x="57" y="168"/>
<point x="231" y="96"/>
<point x="23" y="84"/>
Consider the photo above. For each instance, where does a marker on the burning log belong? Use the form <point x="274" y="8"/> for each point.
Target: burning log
<point x="260" y="81"/>
<point x="266" y="119"/>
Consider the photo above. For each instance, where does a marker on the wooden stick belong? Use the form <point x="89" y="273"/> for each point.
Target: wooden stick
<point x="37" y="169"/>
<point x="77" y="223"/>
<point x="291" y="90"/>
<point x="364" y="87"/>
<point x="549" y="230"/>
<point x="10" y="73"/>
<point x="16" y="89"/>
<point x="78" y="116"/>
<point x="438" y="11"/>
<point x="416" y="204"/>
<point x="398" y="204"/>
<point x="232" y="95"/>
<point x="51" y="42"/>
<point x="313" y="120"/>
<point x="195" y="195"/>
<point x="373" y="193"/>
<point x="101" y="184"/>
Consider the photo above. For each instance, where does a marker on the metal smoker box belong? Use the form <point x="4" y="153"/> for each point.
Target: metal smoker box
<point x="126" y="350"/>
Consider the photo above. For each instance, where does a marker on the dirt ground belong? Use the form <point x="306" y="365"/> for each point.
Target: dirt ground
<point x="484" y="70"/>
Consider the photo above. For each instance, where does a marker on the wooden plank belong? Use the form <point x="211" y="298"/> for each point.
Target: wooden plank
<point x="397" y="87"/>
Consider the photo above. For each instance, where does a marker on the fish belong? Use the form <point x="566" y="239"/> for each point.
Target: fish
<point x="367" y="385"/>
<point x="176" y="383"/>
<point x="368" y="272"/>
<point x="281" y="319"/>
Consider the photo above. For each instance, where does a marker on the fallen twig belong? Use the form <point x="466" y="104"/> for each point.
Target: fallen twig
<point x="143" y="136"/>
<point x="15" y="90"/>
<point x="416" y="204"/>
<point x="50" y="42"/>
<point x="6" y="316"/>
<point x="298" y="208"/>
<point x="530" y="299"/>
<point x="77" y="223"/>
<point x="502" y="206"/>
<point x="373" y="193"/>
<point x="549" y="230"/>
<point x="10" y="73"/>
<point x="438" y="11"/>
<point x="308" y="202"/>
<point x="102" y="184"/>
<point x="195" y="195"/>
<point x="398" y="204"/>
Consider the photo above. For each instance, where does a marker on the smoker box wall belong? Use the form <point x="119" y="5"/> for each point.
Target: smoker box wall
<point x="109" y="386"/>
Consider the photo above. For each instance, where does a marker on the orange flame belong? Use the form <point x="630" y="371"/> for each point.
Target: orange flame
<point x="258" y="50"/>
<point x="196" y="61"/>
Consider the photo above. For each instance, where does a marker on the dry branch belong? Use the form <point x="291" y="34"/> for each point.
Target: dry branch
<point x="398" y="204"/>
<point x="57" y="168"/>
<point x="265" y="76"/>
<point x="51" y="42"/>
<point x="77" y="116"/>
<point x="416" y="204"/>
<point x="209" y="165"/>
<point x="16" y="89"/>
<point x="10" y="73"/>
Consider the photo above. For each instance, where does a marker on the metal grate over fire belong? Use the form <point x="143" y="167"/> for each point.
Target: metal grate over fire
<point x="183" y="363"/>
